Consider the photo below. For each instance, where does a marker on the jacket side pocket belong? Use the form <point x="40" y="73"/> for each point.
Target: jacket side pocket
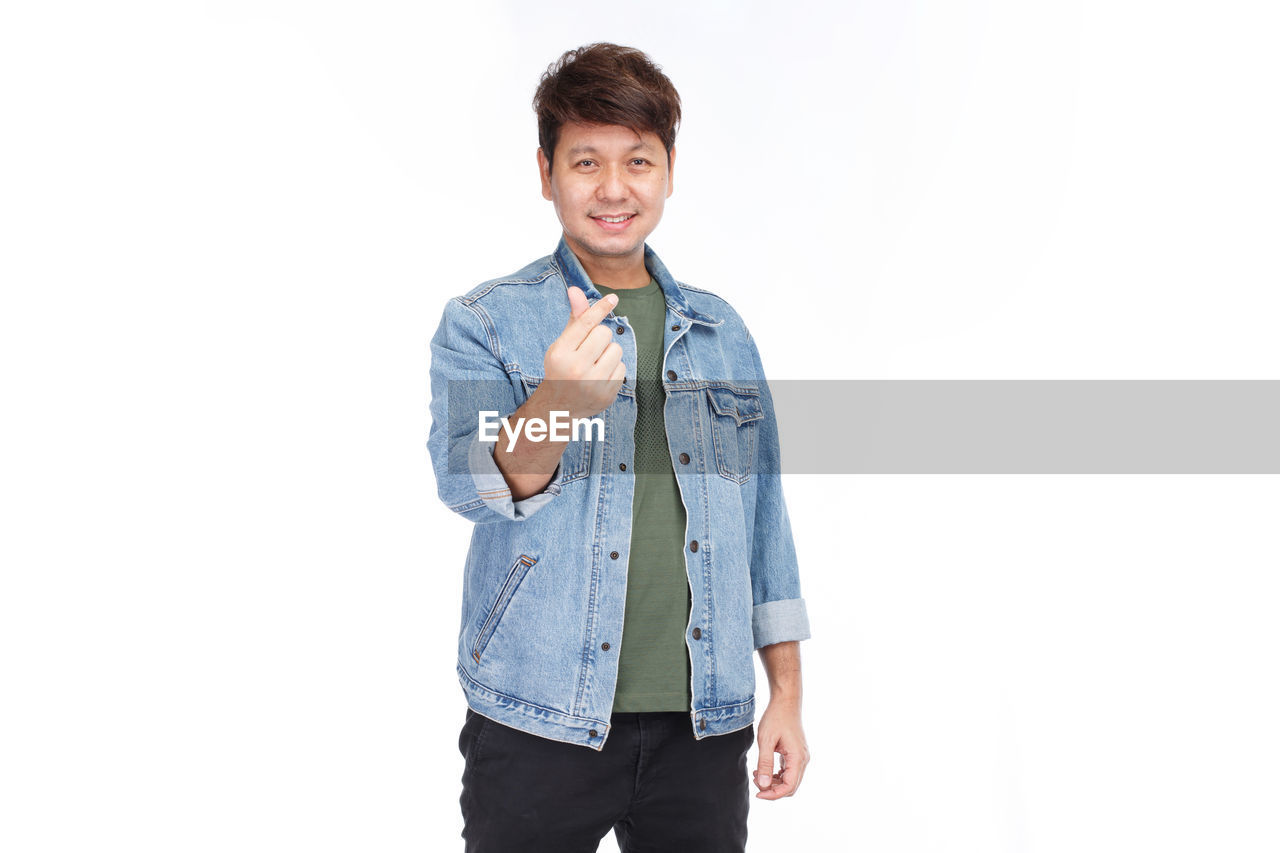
<point x="514" y="576"/>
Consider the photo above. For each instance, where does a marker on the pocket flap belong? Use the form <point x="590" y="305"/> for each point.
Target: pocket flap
<point x="743" y="406"/>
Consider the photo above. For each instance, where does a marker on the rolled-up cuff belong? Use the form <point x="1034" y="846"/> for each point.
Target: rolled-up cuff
<point x="492" y="488"/>
<point x="779" y="621"/>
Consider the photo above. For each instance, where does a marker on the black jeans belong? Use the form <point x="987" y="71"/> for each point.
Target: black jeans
<point x="659" y="789"/>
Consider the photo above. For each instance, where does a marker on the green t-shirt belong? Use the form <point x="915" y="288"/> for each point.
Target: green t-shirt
<point x="653" y="663"/>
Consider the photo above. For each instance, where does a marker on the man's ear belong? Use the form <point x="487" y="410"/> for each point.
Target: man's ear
<point x="544" y="170"/>
<point x="671" y="171"/>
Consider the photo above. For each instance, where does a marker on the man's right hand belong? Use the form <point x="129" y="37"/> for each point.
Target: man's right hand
<point x="583" y="372"/>
<point x="583" y="366"/>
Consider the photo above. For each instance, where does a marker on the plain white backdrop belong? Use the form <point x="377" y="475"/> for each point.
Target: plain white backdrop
<point x="231" y="597"/>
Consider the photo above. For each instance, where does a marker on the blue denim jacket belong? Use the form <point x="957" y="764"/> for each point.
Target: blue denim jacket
<point x="546" y="577"/>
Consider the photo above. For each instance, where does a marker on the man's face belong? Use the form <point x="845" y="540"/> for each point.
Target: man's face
<point x="607" y="171"/>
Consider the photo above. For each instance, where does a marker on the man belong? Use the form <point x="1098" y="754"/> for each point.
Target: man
<point x="618" y="582"/>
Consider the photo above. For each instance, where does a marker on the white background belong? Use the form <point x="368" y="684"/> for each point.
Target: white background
<point x="230" y="595"/>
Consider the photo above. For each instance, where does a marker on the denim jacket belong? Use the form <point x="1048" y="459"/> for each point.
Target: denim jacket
<point x="545" y="580"/>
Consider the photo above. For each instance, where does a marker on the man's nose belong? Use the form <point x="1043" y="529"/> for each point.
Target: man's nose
<point x="612" y="185"/>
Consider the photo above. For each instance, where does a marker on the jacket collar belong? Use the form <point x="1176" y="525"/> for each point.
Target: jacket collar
<point x="573" y="274"/>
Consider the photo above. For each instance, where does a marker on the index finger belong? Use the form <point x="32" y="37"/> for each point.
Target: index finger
<point x="577" y="329"/>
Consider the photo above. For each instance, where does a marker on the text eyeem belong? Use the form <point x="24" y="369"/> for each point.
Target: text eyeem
<point x="559" y="428"/>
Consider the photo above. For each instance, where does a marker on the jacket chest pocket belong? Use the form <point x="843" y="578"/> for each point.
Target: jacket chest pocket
<point x="735" y="417"/>
<point x="515" y="575"/>
<point x="575" y="463"/>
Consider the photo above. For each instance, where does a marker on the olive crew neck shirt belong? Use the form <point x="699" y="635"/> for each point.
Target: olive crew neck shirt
<point x="653" y="663"/>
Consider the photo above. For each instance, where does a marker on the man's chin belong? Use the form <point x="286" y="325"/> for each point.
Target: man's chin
<point x="609" y="248"/>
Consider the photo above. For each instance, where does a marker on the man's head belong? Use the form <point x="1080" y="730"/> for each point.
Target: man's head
<point x="607" y="121"/>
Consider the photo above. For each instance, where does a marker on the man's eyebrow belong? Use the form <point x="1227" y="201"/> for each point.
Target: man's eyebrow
<point x="589" y="149"/>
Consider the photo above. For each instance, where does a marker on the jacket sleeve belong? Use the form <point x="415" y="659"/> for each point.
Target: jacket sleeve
<point x="779" y="612"/>
<point x="467" y="377"/>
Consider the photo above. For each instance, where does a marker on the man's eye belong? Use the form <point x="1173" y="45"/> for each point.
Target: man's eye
<point x="640" y="160"/>
<point x="585" y="162"/>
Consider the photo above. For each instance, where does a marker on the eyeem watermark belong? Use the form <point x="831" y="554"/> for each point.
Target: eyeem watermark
<point x="559" y="428"/>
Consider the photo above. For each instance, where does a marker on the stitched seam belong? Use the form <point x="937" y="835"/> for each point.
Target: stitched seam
<point x="526" y="702"/>
<point x="498" y="283"/>
<point x="486" y="323"/>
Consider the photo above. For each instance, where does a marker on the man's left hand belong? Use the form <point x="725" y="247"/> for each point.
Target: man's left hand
<point x="780" y="731"/>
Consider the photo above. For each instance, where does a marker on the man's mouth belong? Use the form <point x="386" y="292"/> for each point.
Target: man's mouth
<point x="615" y="222"/>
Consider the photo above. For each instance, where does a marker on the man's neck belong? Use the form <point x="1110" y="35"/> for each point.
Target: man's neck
<point x="626" y="273"/>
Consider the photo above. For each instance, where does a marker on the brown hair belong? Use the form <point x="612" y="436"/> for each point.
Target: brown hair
<point x="605" y="83"/>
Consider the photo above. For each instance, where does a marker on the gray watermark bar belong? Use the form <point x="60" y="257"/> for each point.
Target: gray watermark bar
<point x="1029" y="426"/>
<point x="952" y="426"/>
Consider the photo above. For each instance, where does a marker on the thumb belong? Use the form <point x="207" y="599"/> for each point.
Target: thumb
<point x="577" y="301"/>
<point x="764" y="769"/>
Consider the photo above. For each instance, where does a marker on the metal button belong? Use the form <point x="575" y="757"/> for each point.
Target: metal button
<point x="592" y="733"/>
<point x="671" y="374"/>
<point x="604" y="646"/>
<point x="702" y="724"/>
<point x="621" y="330"/>
<point x="693" y="546"/>
<point x="684" y="458"/>
<point x="613" y="555"/>
<point x="622" y="465"/>
<point x="676" y="327"/>
<point x="697" y="633"/>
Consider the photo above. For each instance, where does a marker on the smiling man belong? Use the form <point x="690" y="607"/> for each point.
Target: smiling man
<point x="588" y="186"/>
<point x="617" y="584"/>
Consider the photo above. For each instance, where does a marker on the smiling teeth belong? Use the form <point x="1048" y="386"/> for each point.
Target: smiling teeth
<point x="617" y="218"/>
